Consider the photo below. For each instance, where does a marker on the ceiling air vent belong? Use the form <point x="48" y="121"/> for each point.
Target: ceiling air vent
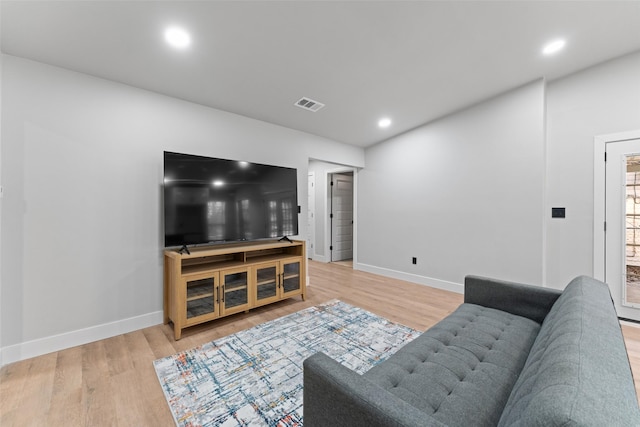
<point x="309" y="104"/>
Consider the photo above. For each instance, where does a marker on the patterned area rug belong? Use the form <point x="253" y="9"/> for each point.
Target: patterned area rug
<point x="254" y="377"/>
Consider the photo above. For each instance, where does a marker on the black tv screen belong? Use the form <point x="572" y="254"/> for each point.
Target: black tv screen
<point x="210" y="200"/>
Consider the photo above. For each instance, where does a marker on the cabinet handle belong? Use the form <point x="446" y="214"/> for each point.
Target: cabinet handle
<point x="217" y="294"/>
<point x="222" y="293"/>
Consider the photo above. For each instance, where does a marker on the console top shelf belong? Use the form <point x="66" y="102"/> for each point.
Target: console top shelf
<point x="240" y="247"/>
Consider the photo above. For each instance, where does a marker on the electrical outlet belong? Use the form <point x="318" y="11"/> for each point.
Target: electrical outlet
<point x="414" y="260"/>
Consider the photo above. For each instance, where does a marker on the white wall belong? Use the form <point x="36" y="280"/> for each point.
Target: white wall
<point x="601" y="100"/>
<point x="81" y="221"/>
<point x="429" y="177"/>
<point x="319" y="169"/>
<point x="1" y="62"/>
<point x="463" y="194"/>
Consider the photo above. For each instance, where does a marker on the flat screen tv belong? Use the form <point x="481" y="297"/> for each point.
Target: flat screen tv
<point x="209" y="200"/>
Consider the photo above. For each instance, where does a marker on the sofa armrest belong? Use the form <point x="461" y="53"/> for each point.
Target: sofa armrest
<point x="528" y="301"/>
<point x="337" y="396"/>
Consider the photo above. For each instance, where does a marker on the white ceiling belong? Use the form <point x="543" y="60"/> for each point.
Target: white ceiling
<point x="411" y="61"/>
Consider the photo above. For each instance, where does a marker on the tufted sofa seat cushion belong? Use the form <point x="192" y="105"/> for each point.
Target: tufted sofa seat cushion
<point x="577" y="373"/>
<point x="463" y="368"/>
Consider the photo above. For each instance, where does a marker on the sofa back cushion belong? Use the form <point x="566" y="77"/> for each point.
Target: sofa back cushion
<point x="577" y="373"/>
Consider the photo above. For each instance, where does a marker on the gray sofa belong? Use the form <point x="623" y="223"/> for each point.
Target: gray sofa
<point x="511" y="355"/>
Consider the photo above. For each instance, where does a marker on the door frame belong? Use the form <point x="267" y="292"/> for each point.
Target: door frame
<point x="330" y="200"/>
<point x="327" y="220"/>
<point x="311" y="207"/>
<point x="600" y="199"/>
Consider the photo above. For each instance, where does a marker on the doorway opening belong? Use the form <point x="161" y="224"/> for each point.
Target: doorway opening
<point x="341" y="218"/>
<point x="328" y="238"/>
<point x="617" y="219"/>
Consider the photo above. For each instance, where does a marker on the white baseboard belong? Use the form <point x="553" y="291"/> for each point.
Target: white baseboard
<point x="38" y="347"/>
<point x="414" y="278"/>
<point x="320" y="258"/>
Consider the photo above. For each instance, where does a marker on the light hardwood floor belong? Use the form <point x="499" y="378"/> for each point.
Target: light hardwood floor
<point x="112" y="382"/>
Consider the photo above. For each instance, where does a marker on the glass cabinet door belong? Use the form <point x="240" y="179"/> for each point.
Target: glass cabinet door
<point x="291" y="279"/>
<point x="200" y="299"/>
<point x="235" y="291"/>
<point x="266" y="290"/>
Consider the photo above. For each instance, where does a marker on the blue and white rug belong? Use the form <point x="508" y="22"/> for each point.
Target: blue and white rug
<point x="254" y="377"/>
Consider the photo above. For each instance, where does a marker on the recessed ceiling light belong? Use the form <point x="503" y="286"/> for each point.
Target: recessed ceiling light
<point x="177" y="37"/>
<point x="384" y="123"/>
<point x="553" y="47"/>
<point x="218" y="183"/>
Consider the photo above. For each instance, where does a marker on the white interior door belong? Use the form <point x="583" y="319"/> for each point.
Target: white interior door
<point x="341" y="216"/>
<point x="622" y="226"/>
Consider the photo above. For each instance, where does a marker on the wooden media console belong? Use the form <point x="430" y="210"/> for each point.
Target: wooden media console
<point x="216" y="281"/>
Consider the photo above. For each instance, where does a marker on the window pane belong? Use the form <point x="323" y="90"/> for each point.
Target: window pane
<point x="632" y="207"/>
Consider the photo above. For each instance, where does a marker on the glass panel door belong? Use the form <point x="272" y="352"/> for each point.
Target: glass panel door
<point x="200" y="298"/>
<point x="632" y="231"/>
<point x="622" y="222"/>
<point x="291" y="277"/>
<point x="266" y="284"/>
<point x="235" y="291"/>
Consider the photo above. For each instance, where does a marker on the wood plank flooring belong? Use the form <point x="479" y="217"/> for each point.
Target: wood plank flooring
<point x="112" y="382"/>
